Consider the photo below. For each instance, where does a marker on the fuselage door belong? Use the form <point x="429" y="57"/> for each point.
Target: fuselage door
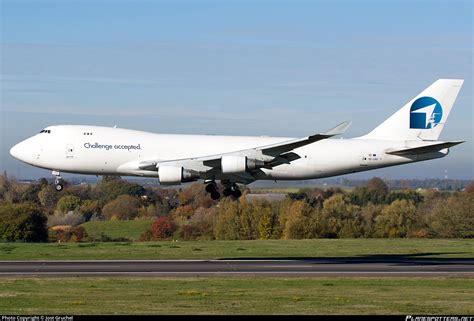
<point x="69" y="151"/>
<point x="364" y="161"/>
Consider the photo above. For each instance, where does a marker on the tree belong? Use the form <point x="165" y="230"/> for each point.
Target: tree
<point x="195" y="195"/>
<point x="369" y="214"/>
<point x="341" y="218"/>
<point x="469" y="190"/>
<point x="11" y="191"/>
<point x="266" y="223"/>
<point x="227" y="223"/>
<point x="297" y="220"/>
<point x="453" y="217"/>
<point x="48" y="197"/>
<point x="22" y="222"/>
<point x="111" y="187"/>
<point x="68" y="203"/>
<point x="89" y="208"/>
<point x="249" y="216"/>
<point x="396" y="219"/>
<point x="409" y="195"/>
<point x="374" y="192"/>
<point x="124" y="207"/>
<point x="30" y="194"/>
<point x="376" y="184"/>
<point x="4" y="184"/>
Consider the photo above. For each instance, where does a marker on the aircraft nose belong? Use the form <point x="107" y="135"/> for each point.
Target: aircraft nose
<point x="19" y="151"/>
<point x="14" y="151"/>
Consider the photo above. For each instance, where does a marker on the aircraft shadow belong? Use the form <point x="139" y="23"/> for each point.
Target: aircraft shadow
<point x="396" y="259"/>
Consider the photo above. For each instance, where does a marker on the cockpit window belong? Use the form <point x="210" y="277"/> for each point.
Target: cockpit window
<point x="47" y="131"/>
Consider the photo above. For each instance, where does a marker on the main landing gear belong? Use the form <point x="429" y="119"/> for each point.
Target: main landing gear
<point x="211" y="188"/>
<point x="230" y="189"/>
<point x="58" y="181"/>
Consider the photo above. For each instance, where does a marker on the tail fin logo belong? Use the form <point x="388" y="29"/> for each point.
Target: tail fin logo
<point x="425" y="113"/>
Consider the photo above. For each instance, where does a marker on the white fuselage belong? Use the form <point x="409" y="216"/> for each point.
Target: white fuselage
<point x="115" y="151"/>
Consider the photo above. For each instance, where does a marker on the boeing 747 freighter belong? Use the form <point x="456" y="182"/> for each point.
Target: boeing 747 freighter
<point x="409" y="135"/>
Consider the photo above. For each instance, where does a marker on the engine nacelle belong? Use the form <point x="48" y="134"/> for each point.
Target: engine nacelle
<point x="175" y="175"/>
<point x="239" y="164"/>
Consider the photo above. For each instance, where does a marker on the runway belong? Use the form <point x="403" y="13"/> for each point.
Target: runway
<point x="380" y="267"/>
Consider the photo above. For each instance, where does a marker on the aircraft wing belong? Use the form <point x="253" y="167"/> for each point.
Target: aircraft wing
<point x="272" y="155"/>
<point x="279" y="148"/>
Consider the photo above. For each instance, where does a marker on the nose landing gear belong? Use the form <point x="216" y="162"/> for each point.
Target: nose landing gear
<point x="58" y="181"/>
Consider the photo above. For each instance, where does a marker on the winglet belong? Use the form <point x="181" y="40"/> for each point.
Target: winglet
<point x="339" y="129"/>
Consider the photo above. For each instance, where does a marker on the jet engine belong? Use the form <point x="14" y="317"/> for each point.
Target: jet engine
<point x="174" y="175"/>
<point x="239" y="164"/>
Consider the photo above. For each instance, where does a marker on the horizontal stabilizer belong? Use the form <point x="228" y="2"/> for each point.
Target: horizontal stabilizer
<point x="423" y="149"/>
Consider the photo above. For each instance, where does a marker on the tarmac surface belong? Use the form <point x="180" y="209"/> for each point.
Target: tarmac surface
<point x="365" y="266"/>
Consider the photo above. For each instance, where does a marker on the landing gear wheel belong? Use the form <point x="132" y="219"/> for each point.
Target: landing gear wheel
<point x="215" y="195"/>
<point x="237" y="193"/>
<point x="58" y="186"/>
<point x="210" y="188"/>
<point x="227" y="192"/>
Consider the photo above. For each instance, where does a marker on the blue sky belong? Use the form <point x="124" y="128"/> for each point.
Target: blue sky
<point x="282" y="68"/>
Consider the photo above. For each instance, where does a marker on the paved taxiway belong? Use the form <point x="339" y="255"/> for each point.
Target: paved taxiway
<point x="265" y="267"/>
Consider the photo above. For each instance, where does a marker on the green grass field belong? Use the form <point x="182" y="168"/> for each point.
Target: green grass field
<point x="117" y="229"/>
<point x="237" y="295"/>
<point x="449" y="248"/>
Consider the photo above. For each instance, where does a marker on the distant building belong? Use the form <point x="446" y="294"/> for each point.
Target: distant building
<point x="25" y="181"/>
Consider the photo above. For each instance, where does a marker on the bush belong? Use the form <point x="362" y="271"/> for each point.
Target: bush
<point x="23" y="222"/>
<point x="146" y="236"/>
<point x="163" y="228"/>
<point x="196" y="231"/>
<point x="67" y="234"/>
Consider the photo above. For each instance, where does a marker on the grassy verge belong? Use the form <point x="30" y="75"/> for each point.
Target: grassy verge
<point x="238" y="295"/>
<point x="447" y="248"/>
<point x="117" y="229"/>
